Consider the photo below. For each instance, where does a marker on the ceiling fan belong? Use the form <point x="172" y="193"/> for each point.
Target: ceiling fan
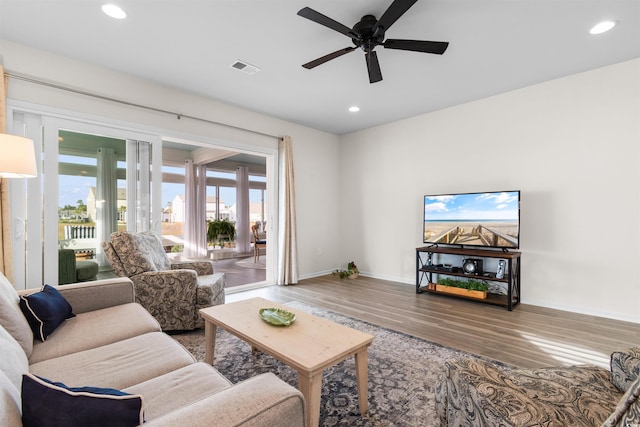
<point x="369" y="33"/>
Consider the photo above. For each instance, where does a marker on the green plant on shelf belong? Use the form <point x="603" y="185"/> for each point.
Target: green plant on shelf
<point x="471" y="285"/>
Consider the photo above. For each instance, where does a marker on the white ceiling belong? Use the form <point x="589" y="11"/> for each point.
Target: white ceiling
<point x="495" y="46"/>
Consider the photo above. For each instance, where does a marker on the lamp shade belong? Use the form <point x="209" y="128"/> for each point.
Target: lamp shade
<point x="17" y="157"/>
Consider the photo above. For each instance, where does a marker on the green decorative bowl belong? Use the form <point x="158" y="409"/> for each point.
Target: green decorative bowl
<point x="277" y="317"/>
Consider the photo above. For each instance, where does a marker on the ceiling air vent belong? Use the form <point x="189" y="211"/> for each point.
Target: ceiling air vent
<point x="245" y="67"/>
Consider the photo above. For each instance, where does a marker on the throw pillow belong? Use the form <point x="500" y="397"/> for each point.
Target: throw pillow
<point x="45" y="311"/>
<point x="11" y="317"/>
<point x="46" y="403"/>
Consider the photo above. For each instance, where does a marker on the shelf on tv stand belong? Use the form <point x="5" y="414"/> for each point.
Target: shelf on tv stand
<point x="425" y="271"/>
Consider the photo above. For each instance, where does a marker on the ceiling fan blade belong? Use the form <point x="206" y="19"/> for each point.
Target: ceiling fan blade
<point x="373" y="66"/>
<point x="417" y="45"/>
<point x="321" y="19"/>
<point x="393" y="12"/>
<point x="329" y="57"/>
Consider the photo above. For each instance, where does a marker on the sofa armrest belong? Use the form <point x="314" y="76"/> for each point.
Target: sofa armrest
<point x="263" y="400"/>
<point x="95" y="295"/>
<point x="203" y="268"/>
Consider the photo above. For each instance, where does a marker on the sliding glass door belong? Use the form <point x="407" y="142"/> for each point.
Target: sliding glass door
<point x="95" y="180"/>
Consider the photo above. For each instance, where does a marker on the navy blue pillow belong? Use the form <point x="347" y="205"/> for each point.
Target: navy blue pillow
<point x="48" y="404"/>
<point x="45" y="311"/>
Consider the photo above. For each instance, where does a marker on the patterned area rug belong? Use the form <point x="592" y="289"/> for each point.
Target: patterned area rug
<point x="402" y="373"/>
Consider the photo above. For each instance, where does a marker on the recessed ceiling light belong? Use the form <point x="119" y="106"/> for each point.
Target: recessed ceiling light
<point x="602" y="27"/>
<point x="114" y="11"/>
<point x="354" y="109"/>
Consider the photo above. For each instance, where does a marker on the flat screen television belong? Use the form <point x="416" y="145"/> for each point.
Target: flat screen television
<point x="488" y="220"/>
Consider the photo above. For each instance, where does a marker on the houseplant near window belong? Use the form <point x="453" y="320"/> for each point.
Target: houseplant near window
<point x="219" y="230"/>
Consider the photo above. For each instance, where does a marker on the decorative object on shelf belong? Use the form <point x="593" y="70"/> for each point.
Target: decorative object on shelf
<point x="351" y="272"/>
<point x="277" y="316"/>
<point x="472" y="266"/>
<point x="470" y="288"/>
<point x="500" y="272"/>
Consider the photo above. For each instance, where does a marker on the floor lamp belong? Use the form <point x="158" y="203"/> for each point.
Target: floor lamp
<point x="17" y="160"/>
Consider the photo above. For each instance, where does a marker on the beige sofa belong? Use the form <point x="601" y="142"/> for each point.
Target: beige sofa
<point x="114" y="342"/>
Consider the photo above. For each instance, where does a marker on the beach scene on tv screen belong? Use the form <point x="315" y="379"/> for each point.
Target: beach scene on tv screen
<point x="477" y="219"/>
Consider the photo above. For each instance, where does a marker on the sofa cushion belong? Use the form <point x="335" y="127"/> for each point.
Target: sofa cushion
<point x="94" y="329"/>
<point x="625" y="367"/>
<point x="47" y="403"/>
<point x="179" y="388"/>
<point x="118" y="365"/>
<point x="11" y="317"/>
<point x="140" y="252"/>
<point x="45" y="311"/>
<point x="13" y="361"/>
<point x="10" y="415"/>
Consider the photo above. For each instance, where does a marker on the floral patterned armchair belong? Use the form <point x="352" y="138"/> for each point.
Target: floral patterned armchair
<point x="471" y="392"/>
<point x="173" y="292"/>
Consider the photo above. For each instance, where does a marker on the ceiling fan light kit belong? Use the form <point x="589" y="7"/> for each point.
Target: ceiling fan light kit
<point x="368" y="33"/>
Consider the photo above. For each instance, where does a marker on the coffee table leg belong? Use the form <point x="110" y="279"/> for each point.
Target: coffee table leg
<point x="210" y="341"/>
<point x="311" y="388"/>
<point x="362" y="378"/>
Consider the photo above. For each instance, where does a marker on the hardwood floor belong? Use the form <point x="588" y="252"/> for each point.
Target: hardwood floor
<point x="528" y="336"/>
<point x="236" y="275"/>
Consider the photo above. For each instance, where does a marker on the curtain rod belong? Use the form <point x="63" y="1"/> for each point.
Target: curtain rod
<point x="131" y="104"/>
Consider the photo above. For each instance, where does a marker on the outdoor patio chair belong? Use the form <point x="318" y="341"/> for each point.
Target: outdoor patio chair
<point x="258" y="243"/>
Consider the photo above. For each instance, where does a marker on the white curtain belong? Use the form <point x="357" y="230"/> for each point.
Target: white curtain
<point x="287" y="236"/>
<point x="195" y="222"/>
<point x="106" y="198"/>
<point x="138" y="185"/>
<point x="243" y="243"/>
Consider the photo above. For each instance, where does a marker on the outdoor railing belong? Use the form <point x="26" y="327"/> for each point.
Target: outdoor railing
<point x="79" y="232"/>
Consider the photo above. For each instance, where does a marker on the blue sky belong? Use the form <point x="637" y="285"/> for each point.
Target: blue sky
<point x="477" y="206"/>
<point x="74" y="188"/>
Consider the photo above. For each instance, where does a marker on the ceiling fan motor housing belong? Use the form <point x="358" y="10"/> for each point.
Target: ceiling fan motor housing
<point x="366" y="38"/>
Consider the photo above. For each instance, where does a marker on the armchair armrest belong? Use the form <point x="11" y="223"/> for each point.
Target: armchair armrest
<point x="263" y="400"/>
<point x="203" y="268"/>
<point x="90" y="296"/>
<point x="625" y="367"/>
<point x="170" y="297"/>
<point x="627" y="413"/>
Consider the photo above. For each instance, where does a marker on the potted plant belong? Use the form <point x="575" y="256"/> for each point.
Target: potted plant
<point x="469" y="288"/>
<point x="351" y="272"/>
<point x="219" y="230"/>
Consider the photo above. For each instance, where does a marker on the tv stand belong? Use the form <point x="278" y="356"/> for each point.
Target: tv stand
<point x="427" y="268"/>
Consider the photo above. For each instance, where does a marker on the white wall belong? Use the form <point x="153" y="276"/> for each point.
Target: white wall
<point x="314" y="151"/>
<point x="572" y="146"/>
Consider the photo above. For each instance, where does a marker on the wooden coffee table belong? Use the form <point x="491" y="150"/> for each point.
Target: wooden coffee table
<point x="309" y="345"/>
